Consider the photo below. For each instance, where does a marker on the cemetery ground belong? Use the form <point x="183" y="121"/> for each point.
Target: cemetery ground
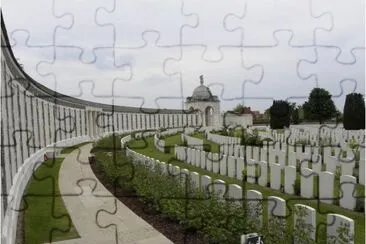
<point x="45" y="215"/>
<point x="170" y="228"/>
<point x="146" y="147"/>
<point x="213" y="147"/>
<point x="209" y="146"/>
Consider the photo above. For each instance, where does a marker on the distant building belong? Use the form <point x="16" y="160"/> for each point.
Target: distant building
<point x="208" y="107"/>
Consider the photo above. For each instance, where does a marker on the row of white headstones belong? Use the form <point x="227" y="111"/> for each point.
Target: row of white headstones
<point x="276" y="205"/>
<point x="231" y="162"/>
<point x="233" y="167"/>
<point x="310" y="158"/>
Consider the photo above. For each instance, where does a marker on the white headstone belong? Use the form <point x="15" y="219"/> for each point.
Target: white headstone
<point x="235" y="193"/>
<point x="275" y="176"/>
<point x="255" y="206"/>
<point x="337" y="221"/>
<point x="220" y="188"/>
<point x="176" y="171"/>
<point x="348" y="185"/>
<point x="263" y="173"/>
<point x="231" y="166"/>
<point x="163" y="167"/>
<point x="203" y="159"/>
<point x="263" y="155"/>
<point x="326" y="186"/>
<point x="240" y="166"/>
<point x="251" y="171"/>
<point x="290" y="177"/>
<point x="231" y="150"/>
<point x="307" y="183"/>
<point x="276" y="206"/>
<point x="184" y="175"/>
<point x="195" y="179"/>
<point x="193" y="157"/>
<point x="248" y="151"/>
<point x="347" y="167"/>
<point x="242" y="151"/>
<point x="292" y="159"/>
<point x="189" y="155"/>
<point x="209" y="162"/>
<point x="316" y="163"/>
<point x="282" y="159"/>
<point x="223" y="165"/>
<point x="309" y="218"/>
<point x="272" y="156"/>
<point x="206" y="182"/>
<point x="256" y="153"/>
<point x="236" y="151"/>
<point x="331" y="163"/>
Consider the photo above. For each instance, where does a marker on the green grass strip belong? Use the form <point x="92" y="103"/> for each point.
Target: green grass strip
<point x="45" y="216"/>
<point x="211" y="146"/>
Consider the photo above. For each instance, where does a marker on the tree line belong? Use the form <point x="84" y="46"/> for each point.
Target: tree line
<point x="318" y="108"/>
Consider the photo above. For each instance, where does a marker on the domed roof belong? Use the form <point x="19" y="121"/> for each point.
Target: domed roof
<point x="202" y="93"/>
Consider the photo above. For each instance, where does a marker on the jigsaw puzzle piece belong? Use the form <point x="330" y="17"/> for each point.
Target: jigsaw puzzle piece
<point x="147" y="65"/>
<point x="229" y="73"/>
<point x="202" y="35"/>
<point x="279" y="65"/>
<point x="23" y="49"/>
<point x="128" y="227"/>
<point x="64" y="127"/>
<point x="261" y="19"/>
<point x="335" y="73"/>
<point x="352" y="11"/>
<point x="101" y="74"/>
<point x="84" y="205"/>
<point x="30" y="22"/>
<point x="84" y="32"/>
<point x="131" y="19"/>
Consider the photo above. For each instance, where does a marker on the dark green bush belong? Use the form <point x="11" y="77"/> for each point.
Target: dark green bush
<point x="354" y="112"/>
<point x="279" y="114"/>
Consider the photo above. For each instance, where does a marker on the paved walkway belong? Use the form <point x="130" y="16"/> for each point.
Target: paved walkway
<point x="84" y="207"/>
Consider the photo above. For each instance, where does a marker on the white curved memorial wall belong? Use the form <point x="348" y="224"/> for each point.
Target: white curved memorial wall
<point x="36" y="120"/>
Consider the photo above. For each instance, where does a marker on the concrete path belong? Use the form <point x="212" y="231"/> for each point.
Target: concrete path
<point x="85" y="207"/>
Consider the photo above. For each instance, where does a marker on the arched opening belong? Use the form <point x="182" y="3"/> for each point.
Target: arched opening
<point x="209" y="116"/>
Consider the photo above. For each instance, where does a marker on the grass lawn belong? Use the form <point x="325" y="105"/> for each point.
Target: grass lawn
<point x="173" y="140"/>
<point x="322" y="209"/>
<point x="45" y="216"/>
<point x="213" y="147"/>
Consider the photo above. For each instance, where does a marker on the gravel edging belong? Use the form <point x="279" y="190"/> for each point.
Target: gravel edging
<point x="169" y="228"/>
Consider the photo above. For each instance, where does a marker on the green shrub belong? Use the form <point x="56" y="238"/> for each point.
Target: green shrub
<point x="279" y="114"/>
<point x="354" y="112"/>
<point x="220" y="221"/>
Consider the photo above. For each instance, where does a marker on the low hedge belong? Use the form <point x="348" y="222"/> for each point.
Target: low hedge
<point x="196" y="209"/>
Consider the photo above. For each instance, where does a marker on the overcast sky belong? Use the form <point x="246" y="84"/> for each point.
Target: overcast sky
<point x="151" y="53"/>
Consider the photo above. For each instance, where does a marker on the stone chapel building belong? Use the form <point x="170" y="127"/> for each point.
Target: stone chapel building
<point x="208" y="107"/>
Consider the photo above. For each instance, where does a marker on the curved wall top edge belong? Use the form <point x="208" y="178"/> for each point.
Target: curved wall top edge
<point x="41" y="91"/>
